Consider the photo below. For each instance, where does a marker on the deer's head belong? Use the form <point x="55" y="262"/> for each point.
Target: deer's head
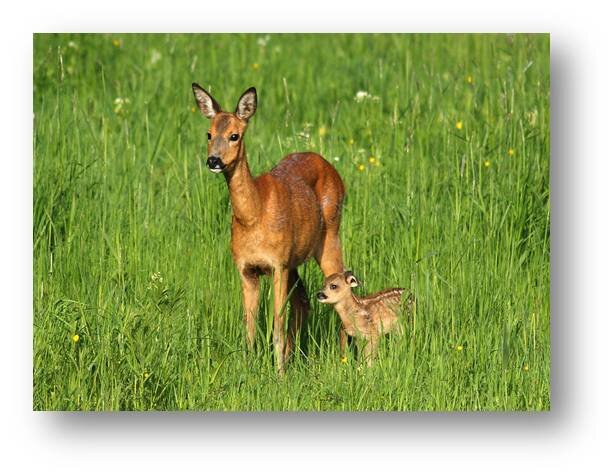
<point x="225" y="134"/>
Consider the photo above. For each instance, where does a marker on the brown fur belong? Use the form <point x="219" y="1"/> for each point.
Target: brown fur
<point x="366" y="317"/>
<point x="280" y="219"/>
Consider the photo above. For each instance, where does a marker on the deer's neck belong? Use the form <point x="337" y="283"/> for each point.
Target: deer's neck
<point x="245" y="200"/>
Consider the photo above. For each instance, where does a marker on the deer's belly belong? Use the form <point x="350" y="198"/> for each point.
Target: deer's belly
<point x="266" y="250"/>
<point x="286" y="237"/>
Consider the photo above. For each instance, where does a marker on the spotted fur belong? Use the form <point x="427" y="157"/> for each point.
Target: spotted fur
<point x="369" y="317"/>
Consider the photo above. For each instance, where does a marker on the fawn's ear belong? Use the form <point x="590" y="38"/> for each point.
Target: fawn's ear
<point x="246" y="106"/>
<point x="350" y="279"/>
<point x="207" y="104"/>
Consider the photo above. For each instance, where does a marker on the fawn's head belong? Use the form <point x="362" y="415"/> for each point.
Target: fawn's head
<point x="225" y="135"/>
<point x="337" y="287"/>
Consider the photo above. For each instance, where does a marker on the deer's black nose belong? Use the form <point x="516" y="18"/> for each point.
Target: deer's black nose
<point x="321" y="296"/>
<point x="214" y="163"/>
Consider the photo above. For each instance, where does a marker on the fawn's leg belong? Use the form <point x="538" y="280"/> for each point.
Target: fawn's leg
<point x="343" y="340"/>
<point x="300" y="307"/>
<point x="280" y="292"/>
<point x="370" y="349"/>
<point x="250" y="288"/>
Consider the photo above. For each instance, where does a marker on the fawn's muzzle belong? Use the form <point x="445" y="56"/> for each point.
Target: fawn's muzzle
<point x="321" y="296"/>
<point x="215" y="164"/>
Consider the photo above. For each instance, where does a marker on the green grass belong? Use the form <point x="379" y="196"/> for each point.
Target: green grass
<point x="121" y="193"/>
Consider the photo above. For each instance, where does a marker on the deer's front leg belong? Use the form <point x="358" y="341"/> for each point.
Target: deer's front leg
<point x="280" y="289"/>
<point x="251" y="289"/>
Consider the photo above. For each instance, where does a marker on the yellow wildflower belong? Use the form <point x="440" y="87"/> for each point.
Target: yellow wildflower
<point x="487" y="163"/>
<point x="351" y="141"/>
<point x="145" y="375"/>
<point x="511" y="152"/>
<point x="361" y="167"/>
<point x="322" y="131"/>
<point x="117" y="43"/>
<point x="458" y="125"/>
<point x="193" y="109"/>
<point x="255" y="66"/>
<point x="344" y="360"/>
<point x="372" y="160"/>
<point x="459" y="348"/>
<point x="469" y="79"/>
<point x="75" y="338"/>
<point x="526" y="367"/>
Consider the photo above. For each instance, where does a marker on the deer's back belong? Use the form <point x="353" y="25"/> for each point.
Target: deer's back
<point x="310" y="167"/>
<point x="318" y="174"/>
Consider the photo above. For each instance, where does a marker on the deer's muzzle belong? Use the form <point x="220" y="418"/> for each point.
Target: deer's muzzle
<point x="215" y="164"/>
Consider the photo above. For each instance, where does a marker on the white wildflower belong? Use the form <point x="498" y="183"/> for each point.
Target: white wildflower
<point x="365" y="96"/>
<point x="361" y="96"/>
<point x="263" y="40"/>
<point x="119" y="104"/>
<point x="155" y="57"/>
<point x="532" y="117"/>
<point x="154" y="280"/>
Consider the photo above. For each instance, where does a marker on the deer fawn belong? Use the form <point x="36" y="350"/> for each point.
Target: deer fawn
<point x="365" y="317"/>
<point x="280" y="219"/>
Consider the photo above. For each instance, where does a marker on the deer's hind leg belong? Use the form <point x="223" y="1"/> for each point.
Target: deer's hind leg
<point x="300" y="307"/>
<point x="280" y="294"/>
<point x="330" y="195"/>
<point x="329" y="255"/>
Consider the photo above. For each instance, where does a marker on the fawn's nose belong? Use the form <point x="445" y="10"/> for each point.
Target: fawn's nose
<point x="321" y="296"/>
<point x="214" y="163"/>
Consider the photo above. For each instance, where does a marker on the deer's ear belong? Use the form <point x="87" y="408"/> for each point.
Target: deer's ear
<point x="246" y="106"/>
<point x="207" y="104"/>
<point x="350" y="279"/>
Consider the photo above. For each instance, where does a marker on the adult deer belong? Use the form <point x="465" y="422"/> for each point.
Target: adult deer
<point x="280" y="219"/>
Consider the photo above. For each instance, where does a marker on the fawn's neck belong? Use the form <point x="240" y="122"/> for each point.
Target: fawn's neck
<point x="348" y="308"/>
<point x="245" y="200"/>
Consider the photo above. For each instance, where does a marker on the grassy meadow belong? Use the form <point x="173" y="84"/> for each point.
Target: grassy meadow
<point x="443" y="144"/>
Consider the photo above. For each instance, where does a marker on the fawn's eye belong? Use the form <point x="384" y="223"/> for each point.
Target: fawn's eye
<point x="208" y="136"/>
<point x="333" y="286"/>
<point x="234" y="137"/>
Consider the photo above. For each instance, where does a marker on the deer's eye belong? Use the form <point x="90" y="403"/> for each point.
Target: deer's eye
<point x="208" y="136"/>
<point x="333" y="286"/>
<point x="234" y="137"/>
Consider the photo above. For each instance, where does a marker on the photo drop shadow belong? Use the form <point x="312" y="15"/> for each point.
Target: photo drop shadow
<point x="565" y="268"/>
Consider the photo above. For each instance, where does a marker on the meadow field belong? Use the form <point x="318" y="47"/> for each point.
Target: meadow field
<point x="443" y="144"/>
